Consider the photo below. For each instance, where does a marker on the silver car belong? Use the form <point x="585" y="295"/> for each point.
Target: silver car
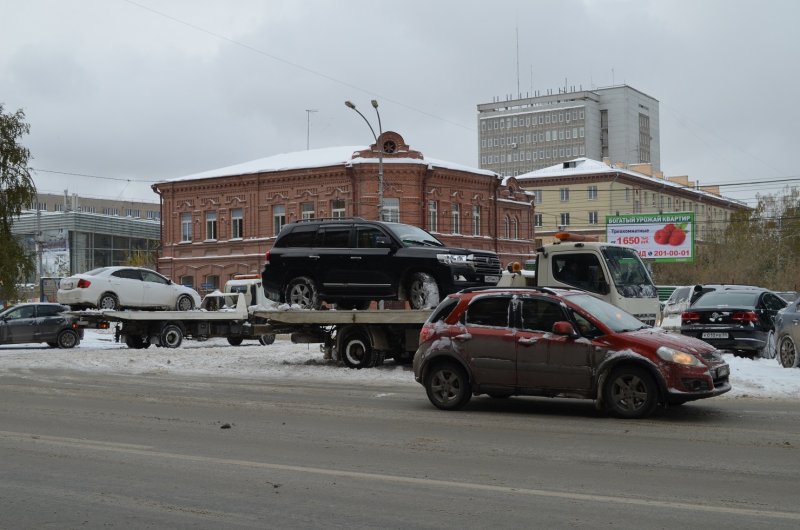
<point x="787" y="332"/>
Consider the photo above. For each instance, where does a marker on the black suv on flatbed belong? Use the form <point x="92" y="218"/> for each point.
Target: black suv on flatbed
<point x="353" y="261"/>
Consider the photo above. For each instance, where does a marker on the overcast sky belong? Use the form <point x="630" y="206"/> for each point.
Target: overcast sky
<point x="135" y="91"/>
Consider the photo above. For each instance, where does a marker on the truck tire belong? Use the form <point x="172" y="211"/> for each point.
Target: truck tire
<point x="355" y="349"/>
<point x="137" y="342"/>
<point x="266" y="339"/>
<point x="235" y="341"/>
<point x="171" y="336"/>
<point x="302" y="291"/>
<point x="423" y="291"/>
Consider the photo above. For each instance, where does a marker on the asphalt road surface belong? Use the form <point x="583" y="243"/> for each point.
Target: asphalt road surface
<point x="84" y="450"/>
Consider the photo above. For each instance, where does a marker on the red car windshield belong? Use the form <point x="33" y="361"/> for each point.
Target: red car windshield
<point x="612" y="316"/>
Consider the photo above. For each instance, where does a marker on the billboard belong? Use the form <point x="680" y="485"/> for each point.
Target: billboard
<point x="662" y="237"/>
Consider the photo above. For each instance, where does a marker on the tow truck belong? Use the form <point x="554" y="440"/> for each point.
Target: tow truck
<point x="613" y="273"/>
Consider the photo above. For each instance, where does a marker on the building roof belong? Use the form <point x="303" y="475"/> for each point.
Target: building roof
<point x="587" y="166"/>
<point x="315" y="158"/>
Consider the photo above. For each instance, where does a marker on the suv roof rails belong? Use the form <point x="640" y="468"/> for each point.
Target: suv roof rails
<point x="539" y="289"/>
<point x="330" y="219"/>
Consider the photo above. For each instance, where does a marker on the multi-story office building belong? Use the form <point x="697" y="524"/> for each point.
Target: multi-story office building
<point x="53" y="202"/>
<point x="619" y="123"/>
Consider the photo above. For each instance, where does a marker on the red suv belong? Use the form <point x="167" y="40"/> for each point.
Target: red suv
<point x="559" y="343"/>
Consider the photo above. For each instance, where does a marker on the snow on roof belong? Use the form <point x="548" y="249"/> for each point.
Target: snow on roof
<point x="586" y="166"/>
<point x="315" y="158"/>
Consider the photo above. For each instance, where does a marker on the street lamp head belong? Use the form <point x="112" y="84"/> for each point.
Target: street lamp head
<point x="350" y="104"/>
<point x="375" y="103"/>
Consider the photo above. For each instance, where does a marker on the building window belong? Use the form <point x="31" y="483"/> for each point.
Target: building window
<point x="237" y="223"/>
<point x="152" y="215"/>
<point x="515" y="228"/>
<point x="132" y="212"/>
<point x="307" y="210"/>
<point x="187" y="281"/>
<point x="476" y="220"/>
<point x="278" y="217"/>
<point x="455" y="214"/>
<point x="539" y="194"/>
<point x="433" y="216"/>
<point x="211" y="225"/>
<point x="592" y="218"/>
<point x="337" y="208"/>
<point x="211" y="283"/>
<point x="627" y="195"/>
<point x="564" y="194"/>
<point x="391" y="210"/>
<point x="537" y="219"/>
<point x="591" y="193"/>
<point x="507" y="227"/>
<point x="564" y="217"/>
<point x="186" y="227"/>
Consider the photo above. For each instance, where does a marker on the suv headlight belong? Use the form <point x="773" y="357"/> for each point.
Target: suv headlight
<point x="454" y="258"/>
<point x="678" y="357"/>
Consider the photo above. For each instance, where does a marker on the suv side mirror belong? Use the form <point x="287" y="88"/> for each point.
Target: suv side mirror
<point x="562" y="327"/>
<point x="383" y="242"/>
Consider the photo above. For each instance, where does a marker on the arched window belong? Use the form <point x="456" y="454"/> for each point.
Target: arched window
<point x="507" y="227"/>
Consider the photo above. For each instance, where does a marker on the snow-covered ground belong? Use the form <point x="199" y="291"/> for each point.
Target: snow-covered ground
<point x="761" y="378"/>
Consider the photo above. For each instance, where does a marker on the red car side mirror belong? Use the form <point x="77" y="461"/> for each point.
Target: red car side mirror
<point x="563" y="327"/>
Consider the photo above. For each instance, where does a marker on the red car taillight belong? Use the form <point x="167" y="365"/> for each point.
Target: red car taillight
<point x="744" y="316"/>
<point x="266" y="258"/>
<point x="83" y="284"/>
<point x="690" y="316"/>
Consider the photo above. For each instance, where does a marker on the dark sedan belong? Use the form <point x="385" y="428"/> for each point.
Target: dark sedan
<point x="41" y="322"/>
<point x="742" y="321"/>
<point x="787" y="333"/>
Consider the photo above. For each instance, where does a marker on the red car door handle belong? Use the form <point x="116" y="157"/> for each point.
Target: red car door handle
<point x="527" y="341"/>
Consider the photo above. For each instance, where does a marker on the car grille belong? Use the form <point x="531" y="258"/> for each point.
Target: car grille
<point x="486" y="263"/>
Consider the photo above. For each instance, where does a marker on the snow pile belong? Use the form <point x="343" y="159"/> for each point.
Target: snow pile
<point x="760" y="378"/>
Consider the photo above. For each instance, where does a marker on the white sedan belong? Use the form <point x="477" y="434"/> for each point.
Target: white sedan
<point x="123" y="287"/>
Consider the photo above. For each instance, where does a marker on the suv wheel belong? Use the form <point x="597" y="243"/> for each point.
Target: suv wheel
<point x="447" y="386"/>
<point x="303" y="292"/>
<point x="631" y="392"/>
<point x="423" y="292"/>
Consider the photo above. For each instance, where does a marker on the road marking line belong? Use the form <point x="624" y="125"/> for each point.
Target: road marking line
<point x="144" y="450"/>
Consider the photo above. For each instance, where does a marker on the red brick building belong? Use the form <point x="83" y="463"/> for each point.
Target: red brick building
<point x="220" y="223"/>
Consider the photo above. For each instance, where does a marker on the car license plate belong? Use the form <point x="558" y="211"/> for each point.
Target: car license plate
<point x="714" y="335"/>
<point x="491" y="279"/>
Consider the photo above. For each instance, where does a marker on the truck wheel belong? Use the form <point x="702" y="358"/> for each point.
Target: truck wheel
<point x="303" y="292"/>
<point x="631" y="392"/>
<point x="68" y="339"/>
<point x="136" y="342"/>
<point x="447" y="386"/>
<point x="171" y="336"/>
<point x="356" y="350"/>
<point x="185" y="303"/>
<point x="266" y="339"/>
<point x="108" y="301"/>
<point x="423" y="292"/>
<point x="235" y="341"/>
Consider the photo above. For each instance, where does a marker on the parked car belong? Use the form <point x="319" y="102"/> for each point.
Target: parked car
<point x="740" y="320"/>
<point x="39" y="322"/>
<point x="553" y="342"/>
<point x="352" y="261"/>
<point x="787" y="335"/>
<point x="684" y="296"/>
<point x="125" y="287"/>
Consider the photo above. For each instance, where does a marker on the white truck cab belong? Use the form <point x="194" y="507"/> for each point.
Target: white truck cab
<point x="250" y="286"/>
<point x="613" y="273"/>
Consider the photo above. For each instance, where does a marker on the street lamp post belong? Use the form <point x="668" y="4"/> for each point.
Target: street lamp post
<point x="379" y="147"/>
<point x="308" y="127"/>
